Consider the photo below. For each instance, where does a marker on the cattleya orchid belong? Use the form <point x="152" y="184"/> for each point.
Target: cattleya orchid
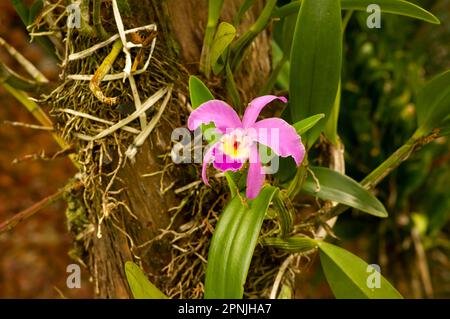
<point x="240" y="138"/>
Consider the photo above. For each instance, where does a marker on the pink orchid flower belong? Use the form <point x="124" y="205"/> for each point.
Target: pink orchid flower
<point x="239" y="140"/>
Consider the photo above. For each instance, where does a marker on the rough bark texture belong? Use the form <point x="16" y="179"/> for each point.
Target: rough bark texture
<point x="181" y="27"/>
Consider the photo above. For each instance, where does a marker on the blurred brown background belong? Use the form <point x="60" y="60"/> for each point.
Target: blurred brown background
<point x="34" y="255"/>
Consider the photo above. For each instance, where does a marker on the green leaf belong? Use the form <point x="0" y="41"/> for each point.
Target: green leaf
<point x="288" y="28"/>
<point x="223" y="38"/>
<point x="433" y="103"/>
<point x="331" y="128"/>
<point x="315" y="62"/>
<point x="295" y="244"/>
<point x="350" y="277"/>
<point x="233" y="243"/>
<point x="445" y="127"/>
<point x="199" y="92"/>
<point x="22" y="10"/>
<point x="342" y="189"/>
<point x="304" y="125"/>
<point x="140" y="286"/>
<point x="398" y="7"/>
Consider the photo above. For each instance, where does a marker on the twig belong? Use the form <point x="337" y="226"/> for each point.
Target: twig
<point x="39" y="115"/>
<point x="27" y="65"/>
<point x="19" y="217"/>
<point x="385" y="168"/>
<point x="32" y="126"/>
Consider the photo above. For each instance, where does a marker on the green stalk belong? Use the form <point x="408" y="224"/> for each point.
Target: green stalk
<point x="97" y="20"/>
<point x="299" y="179"/>
<point x="384" y="169"/>
<point x="244" y="41"/>
<point x="214" y="8"/>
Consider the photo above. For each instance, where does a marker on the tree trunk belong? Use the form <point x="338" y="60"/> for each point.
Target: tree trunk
<point x="124" y="223"/>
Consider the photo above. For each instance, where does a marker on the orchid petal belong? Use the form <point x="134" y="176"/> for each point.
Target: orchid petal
<point x="280" y="137"/>
<point x="256" y="105"/>
<point x="255" y="175"/>
<point x="206" y="159"/>
<point x="219" y="112"/>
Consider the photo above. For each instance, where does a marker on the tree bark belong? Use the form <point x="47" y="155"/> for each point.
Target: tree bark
<point x="181" y="27"/>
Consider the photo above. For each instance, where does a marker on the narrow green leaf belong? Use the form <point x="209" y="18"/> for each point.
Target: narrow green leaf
<point x="315" y="62"/>
<point x="295" y="244"/>
<point x="22" y="10"/>
<point x="233" y="244"/>
<point x="342" y="189"/>
<point x="433" y="103"/>
<point x="398" y="7"/>
<point x="140" y="286"/>
<point x="331" y="128"/>
<point x="350" y="277"/>
<point x="242" y="10"/>
<point x="289" y="24"/>
<point x="199" y="92"/>
<point x="304" y="125"/>
<point x="223" y="38"/>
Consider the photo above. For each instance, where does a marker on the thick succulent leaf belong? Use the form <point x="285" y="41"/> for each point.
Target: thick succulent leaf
<point x="342" y="189"/>
<point x="233" y="243"/>
<point x="433" y="103"/>
<point x="398" y="7"/>
<point x="350" y="277"/>
<point x="315" y="62"/>
<point x="140" y="286"/>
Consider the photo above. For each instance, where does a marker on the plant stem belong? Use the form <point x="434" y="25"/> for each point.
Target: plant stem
<point x="244" y="41"/>
<point x="391" y="163"/>
<point x="297" y="183"/>
<point x="30" y="211"/>
<point x="384" y="169"/>
<point x="97" y="20"/>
